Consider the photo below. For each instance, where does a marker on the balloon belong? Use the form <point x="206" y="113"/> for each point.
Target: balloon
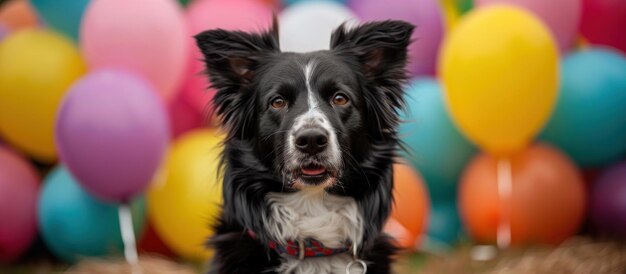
<point x="603" y="21"/>
<point x="608" y="205"/>
<point x="61" y="15"/>
<point x="36" y="70"/>
<point x="75" y="225"/>
<point x="427" y="15"/>
<point x="246" y="15"/>
<point x="500" y="73"/>
<point x="147" y="37"/>
<point x="3" y="32"/>
<point x="151" y="243"/>
<point x="307" y="26"/>
<point x="18" y="201"/>
<point x="464" y="5"/>
<point x="547" y="202"/>
<point x="185" y="202"/>
<point x="410" y="210"/>
<point x="444" y="226"/>
<point x="450" y="13"/>
<point x="183" y="117"/>
<point x="436" y="148"/>
<point x="112" y="133"/>
<point x="561" y="16"/>
<point x="17" y="14"/>
<point x="292" y="2"/>
<point x="589" y="121"/>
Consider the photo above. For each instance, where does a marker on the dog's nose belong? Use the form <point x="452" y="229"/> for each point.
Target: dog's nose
<point x="311" y="140"/>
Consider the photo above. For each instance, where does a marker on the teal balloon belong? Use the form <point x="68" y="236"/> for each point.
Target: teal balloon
<point x="63" y="16"/>
<point x="589" y="121"/>
<point x="435" y="147"/>
<point x="75" y="225"/>
<point x="444" y="225"/>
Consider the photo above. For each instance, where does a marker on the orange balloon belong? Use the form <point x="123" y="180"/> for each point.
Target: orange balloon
<point x="411" y="205"/>
<point x="17" y="14"/>
<point x="547" y="201"/>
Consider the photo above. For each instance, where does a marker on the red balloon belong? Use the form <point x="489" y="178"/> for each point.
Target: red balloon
<point x="151" y="242"/>
<point x="603" y="22"/>
<point x="184" y="117"/>
<point x="19" y="189"/>
<point x="547" y="203"/>
<point x="411" y="206"/>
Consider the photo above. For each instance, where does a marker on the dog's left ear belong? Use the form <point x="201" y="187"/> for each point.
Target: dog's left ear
<point x="381" y="47"/>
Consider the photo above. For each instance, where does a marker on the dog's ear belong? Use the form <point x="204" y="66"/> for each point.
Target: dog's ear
<point x="232" y="56"/>
<point x="232" y="59"/>
<point x="379" y="49"/>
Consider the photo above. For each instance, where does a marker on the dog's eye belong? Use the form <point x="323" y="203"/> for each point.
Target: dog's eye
<point x="278" y="103"/>
<point x="340" y="99"/>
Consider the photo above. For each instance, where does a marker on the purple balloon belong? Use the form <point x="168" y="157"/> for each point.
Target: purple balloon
<point x="608" y="202"/>
<point x="112" y="132"/>
<point x="425" y="14"/>
<point x="3" y="32"/>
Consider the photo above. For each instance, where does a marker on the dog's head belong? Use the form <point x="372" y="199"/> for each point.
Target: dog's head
<point x="308" y="116"/>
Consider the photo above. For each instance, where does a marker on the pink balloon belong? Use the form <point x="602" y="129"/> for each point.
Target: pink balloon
<point x="245" y="15"/>
<point x="19" y="189"/>
<point x="561" y="16"/>
<point x="147" y="37"/>
<point x="425" y="14"/>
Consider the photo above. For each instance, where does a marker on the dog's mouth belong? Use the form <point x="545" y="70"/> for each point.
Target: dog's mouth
<point x="313" y="170"/>
<point x="313" y="174"/>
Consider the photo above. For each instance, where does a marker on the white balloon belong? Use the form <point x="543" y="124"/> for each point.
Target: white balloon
<point x="307" y="26"/>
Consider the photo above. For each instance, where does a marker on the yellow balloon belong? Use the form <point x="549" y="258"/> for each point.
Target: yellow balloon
<point x="499" y="68"/>
<point x="450" y="13"/>
<point x="36" y="69"/>
<point x="186" y="199"/>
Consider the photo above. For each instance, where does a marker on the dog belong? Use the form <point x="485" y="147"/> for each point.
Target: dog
<point x="309" y="147"/>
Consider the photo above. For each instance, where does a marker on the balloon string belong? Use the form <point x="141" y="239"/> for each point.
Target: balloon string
<point x="128" y="237"/>
<point x="505" y="188"/>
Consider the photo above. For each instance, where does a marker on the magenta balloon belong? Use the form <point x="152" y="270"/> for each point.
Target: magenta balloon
<point x="19" y="189"/>
<point x="425" y="14"/>
<point x="561" y="16"/>
<point x="147" y="37"/>
<point x="112" y="131"/>
<point x="608" y="202"/>
<point x="246" y="15"/>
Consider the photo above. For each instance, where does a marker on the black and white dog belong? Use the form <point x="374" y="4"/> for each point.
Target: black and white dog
<point x="311" y="140"/>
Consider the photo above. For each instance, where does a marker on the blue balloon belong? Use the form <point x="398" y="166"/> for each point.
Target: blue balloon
<point x="291" y="2"/>
<point x="436" y="147"/>
<point x="444" y="225"/>
<point x="74" y="225"/>
<point x="62" y="15"/>
<point x="589" y="121"/>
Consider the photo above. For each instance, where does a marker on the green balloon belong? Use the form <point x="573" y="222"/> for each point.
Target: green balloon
<point x="464" y="5"/>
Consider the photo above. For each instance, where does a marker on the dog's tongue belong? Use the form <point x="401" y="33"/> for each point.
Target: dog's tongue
<point x="313" y="170"/>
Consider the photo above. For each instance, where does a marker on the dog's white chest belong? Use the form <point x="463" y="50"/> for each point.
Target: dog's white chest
<point x="329" y="219"/>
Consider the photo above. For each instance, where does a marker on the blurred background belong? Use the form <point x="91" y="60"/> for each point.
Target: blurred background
<point x="515" y="128"/>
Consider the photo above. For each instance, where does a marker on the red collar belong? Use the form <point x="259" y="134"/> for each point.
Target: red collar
<point x="304" y="249"/>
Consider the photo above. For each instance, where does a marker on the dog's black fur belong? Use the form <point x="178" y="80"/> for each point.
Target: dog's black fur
<point x="369" y="60"/>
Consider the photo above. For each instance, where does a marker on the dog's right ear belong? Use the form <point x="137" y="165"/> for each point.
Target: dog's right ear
<point x="231" y="59"/>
